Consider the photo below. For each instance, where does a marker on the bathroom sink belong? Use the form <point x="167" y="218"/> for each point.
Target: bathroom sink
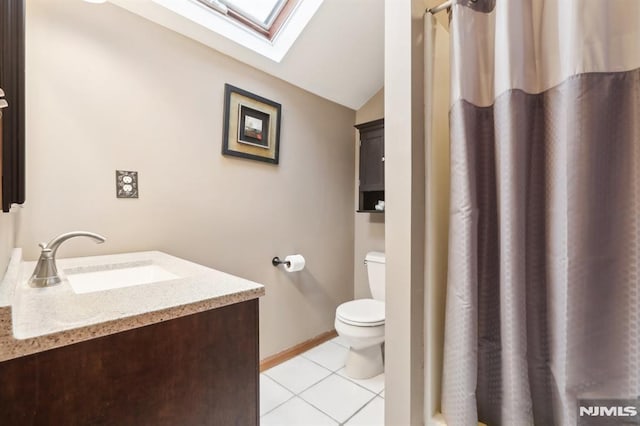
<point x="112" y="276"/>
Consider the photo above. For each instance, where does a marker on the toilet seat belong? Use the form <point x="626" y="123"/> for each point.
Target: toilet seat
<point x="362" y="313"/>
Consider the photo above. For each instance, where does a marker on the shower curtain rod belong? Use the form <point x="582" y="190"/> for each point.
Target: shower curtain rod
<point x="440" y="7"/>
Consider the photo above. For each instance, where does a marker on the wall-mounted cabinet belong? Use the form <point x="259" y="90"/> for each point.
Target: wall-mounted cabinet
<point x="371" y="177"/>
<point x="12" y="115"/>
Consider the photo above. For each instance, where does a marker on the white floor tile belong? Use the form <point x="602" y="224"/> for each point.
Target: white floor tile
<point x="382" y="394"/>
<point x="297" y="374"/>
<point x="296" y="412"/>
<point x="271" y="394"/>
<point x="337" y="397"/>
<point x="374" y="384"/>
<point x="329" y="355"/>
<point x="371" y="415"/>
<point x="339" y="340"/>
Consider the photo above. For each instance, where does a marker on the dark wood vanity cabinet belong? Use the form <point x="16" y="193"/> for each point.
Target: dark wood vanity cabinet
<point x="371" y="177"/>
<point x="200" y="369"/>
<point x="12" y="124"/>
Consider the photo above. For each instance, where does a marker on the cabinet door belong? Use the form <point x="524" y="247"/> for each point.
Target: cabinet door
<point x="12" y="83"/>
<point x="372" y="160"/>
<point x="200" y="369"/>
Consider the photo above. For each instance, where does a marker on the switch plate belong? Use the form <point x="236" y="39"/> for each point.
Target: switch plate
<point x="126" y="184"/>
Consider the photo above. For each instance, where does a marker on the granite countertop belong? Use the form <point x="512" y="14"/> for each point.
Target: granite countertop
<point x="37" y="319"/>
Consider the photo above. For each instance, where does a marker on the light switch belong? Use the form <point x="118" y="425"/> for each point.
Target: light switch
<point x="126" y="184"/>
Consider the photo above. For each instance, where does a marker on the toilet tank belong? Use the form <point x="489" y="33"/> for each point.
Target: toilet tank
<point x="375" y="261"/>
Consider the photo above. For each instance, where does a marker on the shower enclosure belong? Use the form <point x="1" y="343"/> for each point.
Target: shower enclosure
<point x="543" y="287"/>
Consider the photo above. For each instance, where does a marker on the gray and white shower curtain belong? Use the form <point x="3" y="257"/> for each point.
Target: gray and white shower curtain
<point x="543" y="293"/>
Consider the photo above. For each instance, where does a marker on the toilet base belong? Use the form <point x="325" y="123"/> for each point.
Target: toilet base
<point x="364" y="363"/>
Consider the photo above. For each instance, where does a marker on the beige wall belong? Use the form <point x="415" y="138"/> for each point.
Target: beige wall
<point x="405" y="212"/>
<point x="108" y="90"/>
<point x="437" y="223"/>
<point x="7" y="239"/>
<point x="369" y="228"/>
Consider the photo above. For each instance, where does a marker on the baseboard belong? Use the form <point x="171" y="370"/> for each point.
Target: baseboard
<point x="296" y="350"/>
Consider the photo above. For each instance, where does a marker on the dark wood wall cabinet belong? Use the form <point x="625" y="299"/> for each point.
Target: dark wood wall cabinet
<point x="371" y="186"/>
<point x="12" y="116"/>
<point x="200" y="369"/>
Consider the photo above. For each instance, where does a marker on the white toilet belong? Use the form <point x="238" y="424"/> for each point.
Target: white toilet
<point x="361" y="323"/>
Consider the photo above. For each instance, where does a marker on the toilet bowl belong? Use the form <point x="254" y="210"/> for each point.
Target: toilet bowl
<point x="361" y="323"/>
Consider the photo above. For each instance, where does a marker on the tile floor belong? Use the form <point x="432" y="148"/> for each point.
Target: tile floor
<point x="312" y="390"/>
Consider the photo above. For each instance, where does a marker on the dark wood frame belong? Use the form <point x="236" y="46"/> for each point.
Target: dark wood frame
<point x="233" y="127"/>
<point x="12" y="18"/>
<point x="254" y="113"/>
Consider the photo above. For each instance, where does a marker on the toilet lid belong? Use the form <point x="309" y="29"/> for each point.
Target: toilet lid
<point x="362" y="312"/>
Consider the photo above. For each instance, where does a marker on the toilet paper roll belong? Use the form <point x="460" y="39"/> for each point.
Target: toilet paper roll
<point x="296" y="263"/>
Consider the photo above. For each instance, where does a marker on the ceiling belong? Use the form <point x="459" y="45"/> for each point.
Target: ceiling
<point x="338" y="56"/>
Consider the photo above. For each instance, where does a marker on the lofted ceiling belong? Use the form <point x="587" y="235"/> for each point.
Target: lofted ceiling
<point x="338" y="56"/>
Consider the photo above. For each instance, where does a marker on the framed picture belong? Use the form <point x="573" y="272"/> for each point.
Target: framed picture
<point x="251" y="126"/>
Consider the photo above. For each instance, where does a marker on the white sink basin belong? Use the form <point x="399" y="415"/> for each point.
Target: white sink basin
<point x="108" y="277"/>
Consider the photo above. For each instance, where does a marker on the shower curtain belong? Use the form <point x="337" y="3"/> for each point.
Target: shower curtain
<point x="543" y="291"/>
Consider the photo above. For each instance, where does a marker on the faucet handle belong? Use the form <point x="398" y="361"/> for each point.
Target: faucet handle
<point x="42" y="245"/>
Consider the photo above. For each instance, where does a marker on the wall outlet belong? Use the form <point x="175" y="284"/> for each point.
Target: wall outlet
<point x="126" y="184"/>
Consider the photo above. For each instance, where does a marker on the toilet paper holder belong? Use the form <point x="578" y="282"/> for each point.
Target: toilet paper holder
<point x="277" y="262"/>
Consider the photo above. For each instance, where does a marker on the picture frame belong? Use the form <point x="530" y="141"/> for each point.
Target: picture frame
<point x="251" y="127"/>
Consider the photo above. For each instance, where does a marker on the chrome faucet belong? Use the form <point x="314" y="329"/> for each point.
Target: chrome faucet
<point x="46" y="273"/>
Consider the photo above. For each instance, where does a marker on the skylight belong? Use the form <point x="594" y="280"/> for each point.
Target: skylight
<point x="269" y="28"/>
<point x="262" y="12"/>
<point x="265" y="17"/>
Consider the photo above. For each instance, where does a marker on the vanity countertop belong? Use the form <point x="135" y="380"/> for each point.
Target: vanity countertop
<point x="37" y="319"/>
